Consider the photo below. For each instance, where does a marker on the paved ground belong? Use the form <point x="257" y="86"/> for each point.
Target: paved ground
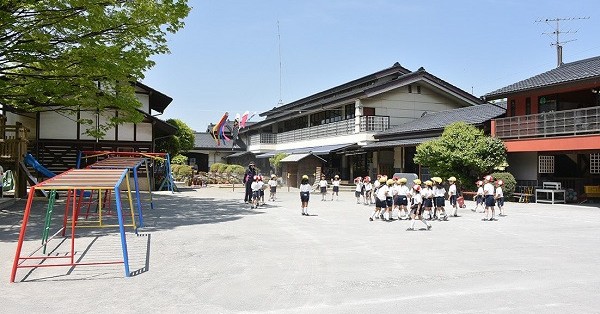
<point x="204" y="252"/>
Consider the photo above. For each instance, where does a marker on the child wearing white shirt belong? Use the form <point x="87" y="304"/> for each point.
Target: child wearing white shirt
<point x="452" y="196"/>
<point x="479" y="196"/>
<point x="335" y="183"/>
<point x="359" y="189"/>
<point x="499" y="196"/>
<point x="255" y="192"/>
<point x="368" y="190"/>
<point x="272" y="187"/>
<point x="323" y="187"/>
<point x="416" y="211"/>
<point x="304" y="194"/>
<point x="488" y="192"/>
<point x="439" y="193"/>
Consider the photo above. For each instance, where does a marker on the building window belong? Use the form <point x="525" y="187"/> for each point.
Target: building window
<point x="546" y="164"/>
<point x="410" y="89"/>
<point x="527" y="105"/>
<point x="349" y="110"/>
<point x="513" y="108"/>
<point x="418" y="89"/>
<point x="595" y="163"/>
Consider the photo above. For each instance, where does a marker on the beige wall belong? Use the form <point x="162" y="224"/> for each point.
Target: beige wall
<point x="403" y="106"/>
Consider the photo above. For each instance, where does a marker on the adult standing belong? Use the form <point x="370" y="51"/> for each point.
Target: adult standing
<point x="248" y="179"/>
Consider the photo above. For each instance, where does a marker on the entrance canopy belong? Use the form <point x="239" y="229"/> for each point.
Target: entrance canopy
<point x="315" y="150"/>
<point x="298" y="157"/>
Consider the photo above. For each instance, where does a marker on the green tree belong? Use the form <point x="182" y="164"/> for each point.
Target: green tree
<point x="276" y="160"/>
<point x="462" y="151"/>
<point x="182" y="141"/>
<point x="82" y="54"/>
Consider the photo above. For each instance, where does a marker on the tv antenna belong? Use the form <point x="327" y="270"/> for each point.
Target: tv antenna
<point x="557" y="33"/>
<point x="279" y="47"/>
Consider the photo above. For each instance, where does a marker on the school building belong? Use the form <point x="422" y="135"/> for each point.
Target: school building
<point x="332" y="130"/>
<point x="552" y="126"/>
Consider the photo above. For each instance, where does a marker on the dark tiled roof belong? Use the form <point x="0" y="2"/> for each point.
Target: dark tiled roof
<point x="367" y="86"/>
<point x="395" y="69"/>
<point x="402" y="142"/>
<point x="568" y="72"/>
<point x="207" y="142"/>
<point x="158" y="100"/>
<point x="438" y="120"/>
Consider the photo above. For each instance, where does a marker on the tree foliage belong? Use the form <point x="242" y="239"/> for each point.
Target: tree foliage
<point x="462" y="151"/>
<point x="276" y="160"/>
<point x="182" y="141"/>
<point x="82" y="54"/>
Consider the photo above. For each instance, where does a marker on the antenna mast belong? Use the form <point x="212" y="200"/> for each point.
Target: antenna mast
<point x="279" y="47"/>
<point x="557" y="32"/>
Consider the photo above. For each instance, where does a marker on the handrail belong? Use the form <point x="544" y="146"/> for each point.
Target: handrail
<point x="344" y="127"/>
<point x="548" y="124"/>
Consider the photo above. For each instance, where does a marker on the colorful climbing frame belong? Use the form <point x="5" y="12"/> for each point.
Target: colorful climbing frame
<point x="74" y="181"/>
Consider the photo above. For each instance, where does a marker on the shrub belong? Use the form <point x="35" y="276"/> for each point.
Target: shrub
<point x="239" y="170"/>
<point x="215" y="167"/>
<point x="509" y="183"/>
<point x="222" y="168"/>
<point x="182" y="172"/>
<point x="179" y="160"/>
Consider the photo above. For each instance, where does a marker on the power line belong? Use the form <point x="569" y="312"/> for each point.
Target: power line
<point x="557" y="33"/>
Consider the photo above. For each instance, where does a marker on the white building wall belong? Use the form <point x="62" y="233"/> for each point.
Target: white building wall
<point x="58" y="126"/>
<point x="143" y="132"/>
<point x="523" y="166"/>
<point x="104" y="119"/>
<point x="126" y="132"/>
<point x="402" y="106"/>
<point x="27" y="120"/>
<point x="145" y="101"/>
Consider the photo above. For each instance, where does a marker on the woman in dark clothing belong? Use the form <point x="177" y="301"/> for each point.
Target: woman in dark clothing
<point x="248" y="179"/>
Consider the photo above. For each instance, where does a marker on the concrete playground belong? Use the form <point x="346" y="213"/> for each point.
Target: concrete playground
<point x="204" y="251"/>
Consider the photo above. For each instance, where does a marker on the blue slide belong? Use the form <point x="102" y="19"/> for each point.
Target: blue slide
<point x="32" y="162"/>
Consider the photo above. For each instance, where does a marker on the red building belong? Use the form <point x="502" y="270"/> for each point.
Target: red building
<point x="552" y="126"/>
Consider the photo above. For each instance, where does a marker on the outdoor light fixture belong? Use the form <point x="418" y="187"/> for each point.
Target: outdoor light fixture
<point x="595" y="90"/>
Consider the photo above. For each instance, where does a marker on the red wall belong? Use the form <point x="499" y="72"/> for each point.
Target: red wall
<point x="534" y="94"/>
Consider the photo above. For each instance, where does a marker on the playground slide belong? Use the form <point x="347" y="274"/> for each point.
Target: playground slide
<point x="32" y="162"/>
<point x="32" y="180"/>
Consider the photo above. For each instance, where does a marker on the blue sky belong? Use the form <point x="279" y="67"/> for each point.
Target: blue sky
<point x="226" y="58"/>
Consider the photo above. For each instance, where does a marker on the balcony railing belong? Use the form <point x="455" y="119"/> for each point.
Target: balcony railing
<point x="345" y="127"/>
<point x="333" y="129"/>
<point x="263" y="138"/>
<point x="374" y="123"/>
<point x="556" y="123"/>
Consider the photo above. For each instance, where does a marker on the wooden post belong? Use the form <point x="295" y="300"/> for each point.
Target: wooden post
<point x="20" y="149"/>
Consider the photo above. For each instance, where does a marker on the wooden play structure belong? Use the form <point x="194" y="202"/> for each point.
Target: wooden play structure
<point x="13" y="146"/>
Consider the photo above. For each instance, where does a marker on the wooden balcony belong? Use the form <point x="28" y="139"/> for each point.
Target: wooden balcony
<point x="549" y="124"/>
<point x="333" y="129"/>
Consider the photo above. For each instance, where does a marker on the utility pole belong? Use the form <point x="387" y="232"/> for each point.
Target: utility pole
<point x="557" y="32"/>
<point x="279" y="46"/>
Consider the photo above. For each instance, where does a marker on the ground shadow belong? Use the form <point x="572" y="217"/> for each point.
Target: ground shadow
<point x="170" y="211"/>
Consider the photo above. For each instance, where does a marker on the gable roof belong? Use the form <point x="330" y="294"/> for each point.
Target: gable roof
<point x="568" y="72"/>
<point x="368" y="86"/>
<point x="205" y="141"/>
<point x="158" y="100"/>
<point x="341" y="90"/>
<point x="439" y="120"/>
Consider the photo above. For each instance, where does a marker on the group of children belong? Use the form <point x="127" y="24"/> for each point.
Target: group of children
<point x="487" y="197"/>
<point x="414" y="203"/>
<point x="258" y="190"/>
<point x="424" y="199"/>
